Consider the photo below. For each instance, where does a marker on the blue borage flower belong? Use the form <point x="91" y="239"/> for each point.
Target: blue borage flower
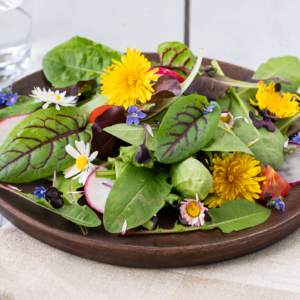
<point x="209" y="109"/>
<point x="40" y="192"/>
<point x="296" y="139"/>
<point x="274" y="202"/>
<point x="7" y="95"/>
<point x="134" y="115"/>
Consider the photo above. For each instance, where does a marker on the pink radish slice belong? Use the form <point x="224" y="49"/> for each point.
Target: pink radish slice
<point x="290" y="168"/>
<point x="95" y="192"/>
<point x="8" y="124"/>
<point x="163" y="71"/>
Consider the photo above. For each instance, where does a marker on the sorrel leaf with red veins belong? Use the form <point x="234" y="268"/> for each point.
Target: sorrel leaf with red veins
<point x="36" y="146"/>
<point x="185" y="129"/>
<point x="214" y="88"/>
<point x="102" y="141"/>
<point x="176" y="57"/>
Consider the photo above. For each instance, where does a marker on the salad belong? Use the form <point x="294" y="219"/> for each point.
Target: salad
<point x="134" y="136"/>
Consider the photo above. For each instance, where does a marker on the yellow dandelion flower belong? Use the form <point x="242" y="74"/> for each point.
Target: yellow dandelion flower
<point x="234" y="177"/>
<point x="129" y="80"/>
<point x="282" y="106"/>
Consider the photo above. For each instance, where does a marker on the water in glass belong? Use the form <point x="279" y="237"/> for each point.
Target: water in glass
<point x="15" y="27"/>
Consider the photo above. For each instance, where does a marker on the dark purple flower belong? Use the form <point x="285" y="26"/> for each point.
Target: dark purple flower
<point x="142" y="155"/>
<point x="209" y="109"/>
<point x="134" y="115"/>
<point x="12" y="100"/>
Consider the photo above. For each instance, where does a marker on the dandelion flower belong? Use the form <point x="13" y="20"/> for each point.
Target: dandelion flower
<point x="234" y="177"/>
<point x="193" y="211"/>
<point x="129" y="80"/>
<point x="56" y="98"/>
<point x="282" y="106"/>
<point x="83" y="161"/>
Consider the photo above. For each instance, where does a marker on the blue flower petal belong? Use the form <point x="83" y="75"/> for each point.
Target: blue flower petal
<point x="136" y="121"/>
<point x="129" y="120"/>
<point x="8" y="96"/>
<point x="40" y="192"/>
<point x="141" y="115"/>
<point x="132" y="109"/>
<point x="2" y="100"/>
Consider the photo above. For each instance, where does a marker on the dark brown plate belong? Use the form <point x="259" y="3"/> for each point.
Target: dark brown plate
<point x="150" y="251"/>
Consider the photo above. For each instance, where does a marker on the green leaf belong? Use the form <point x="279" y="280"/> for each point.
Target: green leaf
<point x="171" y="198"/>
<point x="234" y="215"/>
<point x="190" y="177"/>
<point x="77" y="59"/>
<point x="226" y="141"/>
<point x="21" y="107"/>
<point x="80" y="215"/>
<point x="269" y="147"/>
<point x="185" y="129"/>
<point x="66" y="186"/>
<point x="36" y="146"/>
<point x="136" y="196"/>
<point x="176" y="57"/>
<point x="286" y="67"/>
<point x="133" y="135"/>
<point x="93" y="102"/>
<point x="127" y="155"/>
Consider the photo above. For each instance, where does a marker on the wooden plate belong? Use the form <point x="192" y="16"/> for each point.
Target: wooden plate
<point x="150" y="251"/>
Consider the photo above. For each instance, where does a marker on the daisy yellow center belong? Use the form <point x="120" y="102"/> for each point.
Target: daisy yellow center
<point x="225" y="119"/>
<point x="193" y="209"/>
<point x="57" y="96"/>
<point x="81" y="162"/>
<point x="234" y="177"/>
<point x="129" y="80"/>
<point x="282" y="106"/>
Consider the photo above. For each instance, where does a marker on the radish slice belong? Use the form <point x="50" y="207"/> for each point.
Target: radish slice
<point x="95" y="192"/>
<point x="8" y="124"/>
<point x="163" y="71"/>
<point x="290" y="167"/>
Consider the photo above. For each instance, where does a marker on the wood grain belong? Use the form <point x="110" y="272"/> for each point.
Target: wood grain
<point x="151" y="251"/>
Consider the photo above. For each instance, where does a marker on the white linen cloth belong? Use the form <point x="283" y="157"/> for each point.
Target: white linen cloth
<point x="32" y="270"/>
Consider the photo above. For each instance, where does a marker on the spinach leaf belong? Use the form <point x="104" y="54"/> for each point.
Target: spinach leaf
<point x="80" y="215"/>
<point x="234" y="215"/>
<point x="136" y="196"/>
<point x="185" y="129"/>
<point x="36" y="146"/>
<point x="226" y="141"/>
<point x="21" y="107"/>
<point x="176" y="57"/>
<point x="133" y="135"/>
<point x="286" y="67"/>
<point x="269" y="147"/>
<point x="77" y="59"/>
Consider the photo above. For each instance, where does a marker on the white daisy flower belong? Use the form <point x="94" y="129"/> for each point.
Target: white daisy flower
<point x="193" y="211"/>
<point x="56" y="98"/>
<point x="83" y="164"/>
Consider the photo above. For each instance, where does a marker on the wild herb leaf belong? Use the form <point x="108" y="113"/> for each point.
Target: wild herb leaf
<point x="226" y="141"/>
<point x="77" y="59"/>
<point x="133" y="135"/>
<point x="80" y="215"/>
<point x="171" y="198"/>
<point x="176" y="57"/>
<point x="36" y="146"/>
<point x="185" y="129"/>
<point x="136" y="196"/>
<point x="232" y="215"/>
<point x="214" y="87"/>
<point x="190" y="177"/>
<point x="286" y="67"/>
<point x="269" y="147"/>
